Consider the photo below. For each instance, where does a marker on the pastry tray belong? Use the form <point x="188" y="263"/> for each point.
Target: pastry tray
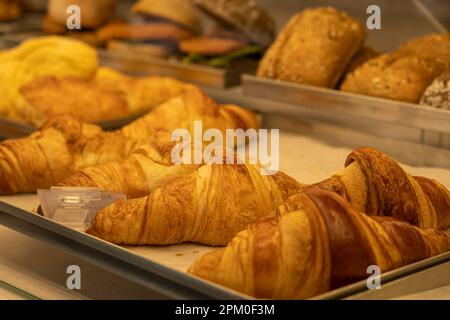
<point x="161" y="269"/>
<point x="139" y="64"/>
<point x="10" y="129"/>
<point x="337" y="103"/>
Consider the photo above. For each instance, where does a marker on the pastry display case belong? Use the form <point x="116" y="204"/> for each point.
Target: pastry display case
<point x="90" y="178"/>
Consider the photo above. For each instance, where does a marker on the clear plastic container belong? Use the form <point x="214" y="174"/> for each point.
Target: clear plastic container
<point x="75" y="207"/>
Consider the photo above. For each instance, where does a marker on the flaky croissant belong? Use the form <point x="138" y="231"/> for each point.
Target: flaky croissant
<point x="151" y="166"/>
<point x="376" y="185"/>
<point x="146" y="169"/>
<point x="60" y="148"/>
<point x="207" y="206"/>
<point x="315" y="243"/>
<point x="64" y="146"/>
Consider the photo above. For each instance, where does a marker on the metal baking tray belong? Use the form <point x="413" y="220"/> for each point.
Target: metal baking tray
<point x="166" y="281"/>
<point x="138" y="64"/>
<point x="10" y="129"/>
<point x="335" y="101"/>
<point x="432" y="283"/>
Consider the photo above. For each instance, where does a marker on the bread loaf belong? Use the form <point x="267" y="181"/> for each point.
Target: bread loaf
<point x="314" y="47"/>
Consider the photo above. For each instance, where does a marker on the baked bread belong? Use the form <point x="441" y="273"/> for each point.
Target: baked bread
<point x="404" y="74"/>
<point x="242" y="15"/>
<point x="64" y="146"/>
<point x="396" y="76"/>
<point x="433" y="46"/>
<point x="437" y="95"/>
<point x="362" y="56"/>
<point x="181" y="12"/>
<point x="314" y="47"/>
<point x="315" y="243"/>
<point x="208" y="206"/>
<point x="376" y="185"/>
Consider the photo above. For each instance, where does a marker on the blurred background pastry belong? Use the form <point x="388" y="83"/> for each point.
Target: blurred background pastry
<point x="155" y="28"/>
<point x="94" y="14"/>
<point x="9" y="10"/>
<point x="241" y="29"/>
<point x="437" y="95"/>
<point x="404" y="74"/>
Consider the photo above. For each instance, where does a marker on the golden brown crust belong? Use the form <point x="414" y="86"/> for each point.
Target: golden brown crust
<point x="396" y="76"/>
<point x="376" y="185"/>
<point x="433" y="46"/>
<point x="109" y="95"/>
<point x="314" y="47"/>
<point x="316" y="242"/>
<point x="64" y="146"/>
<point x="362" y="56"/>
<point x="77" y="98"/>
<point x="208" y="206"/>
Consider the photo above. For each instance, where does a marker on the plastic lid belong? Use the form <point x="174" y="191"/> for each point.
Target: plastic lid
<point x="75" y="207"/>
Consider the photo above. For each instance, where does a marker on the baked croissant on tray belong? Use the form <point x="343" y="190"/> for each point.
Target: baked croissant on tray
<point x="209" y="206"/>
<point x="315" y="243"/>
<point x="376" y="185"/>
<point x="64" y="146"/>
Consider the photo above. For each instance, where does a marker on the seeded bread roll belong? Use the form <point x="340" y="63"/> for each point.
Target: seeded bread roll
<point x="396" y="76"/>
<point x="437" y="95"/>
<point x="433" y="46"/>
<point x="314" y="47"/>
<point x="362" y="56"/>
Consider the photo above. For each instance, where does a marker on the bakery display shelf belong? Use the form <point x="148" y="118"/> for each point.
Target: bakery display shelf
<point x="140" y="64"/>
<point x="10" y="129"/>
<point x="431" y="283"/>
<point x="340" y="103"/>
<point x="159" y="268"/>
<point x="164" y="277"/>
<point x="194" y="73"/>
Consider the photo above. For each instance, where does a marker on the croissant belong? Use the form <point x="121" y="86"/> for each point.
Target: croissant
<point x="315" y="243"/>
<point x="376" y="185"/>
<point x="109" y="95"/>
<point x="147" y="168"/>
<point x="208" y="206"/>
<point x="60" y="148"/>
<point x="151" y="166"/>
<point x="64" y="146"/>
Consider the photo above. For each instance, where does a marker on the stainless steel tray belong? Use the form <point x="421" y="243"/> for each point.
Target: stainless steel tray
<point x="334" y="102"/>
<point x="431" y="283"/>
<point x="10" y="129"/>
<point x="167" y="282"/>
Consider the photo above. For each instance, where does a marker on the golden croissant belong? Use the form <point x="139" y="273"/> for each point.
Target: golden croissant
<point x="317" y="242"/>
<point x="376" y="185"/>
<point x="64" y="146"/>
<point x="208" y="206"/>
<point x="109" y="95"/>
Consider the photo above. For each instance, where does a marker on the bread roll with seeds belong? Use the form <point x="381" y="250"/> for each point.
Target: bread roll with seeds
<point x="314" y="47"/>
